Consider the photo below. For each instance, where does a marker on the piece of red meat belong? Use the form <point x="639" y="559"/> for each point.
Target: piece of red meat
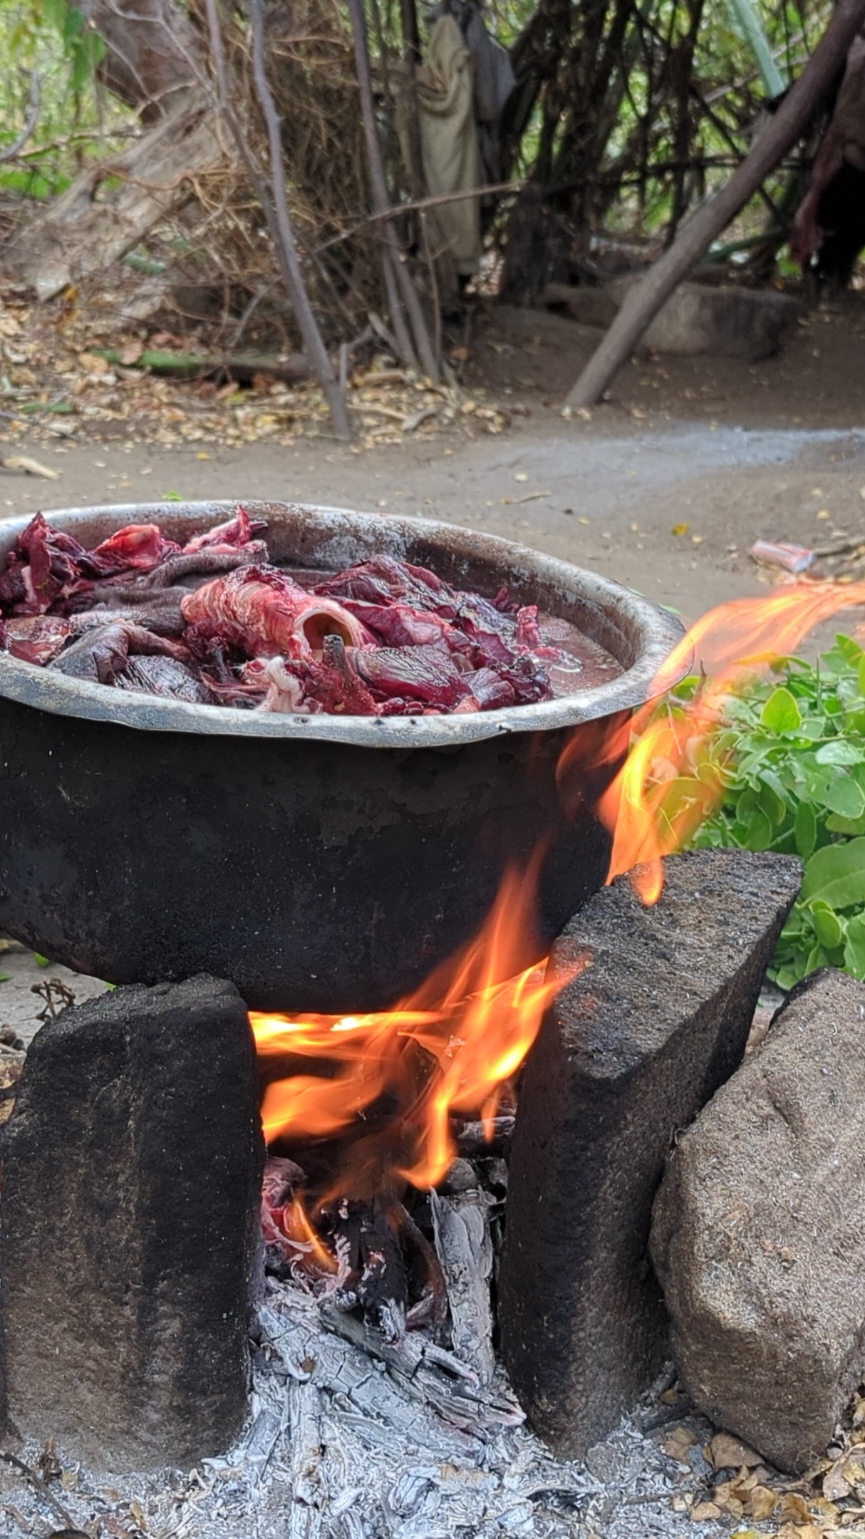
<point x="240" y="530"/>
<point x="43" y="565"/>
<point x="136" y="548"/>
<point x="35" y="638"/>
<point x="286" y="620"/>
<point x="425" y="674"/>
<point x="383" y="580"/>
<point x="400" y="625"/>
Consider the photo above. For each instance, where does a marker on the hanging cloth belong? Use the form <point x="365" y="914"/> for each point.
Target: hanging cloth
<point x="449" y="140"/>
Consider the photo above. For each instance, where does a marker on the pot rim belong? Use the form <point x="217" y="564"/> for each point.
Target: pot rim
<point x="657" y="631"/>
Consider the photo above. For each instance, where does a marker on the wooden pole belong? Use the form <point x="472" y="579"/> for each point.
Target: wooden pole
<point x="645" y="299"/>
<point x="381" y="201"/>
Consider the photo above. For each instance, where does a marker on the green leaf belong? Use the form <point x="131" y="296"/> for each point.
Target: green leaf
<point x="4" y="977"/>
<point x="836" y="874"/>
<point x="827" y="926"/>
<point x="781" y="714"/>
<point x="805" y="830"/>
<point x="838" y="751"/>
<point x="839" y="825"/>
<point x="844" y="796"/>
<point x="40" y="960"/>
<point x="759" y="832"/>
<point x="854" y="948"/>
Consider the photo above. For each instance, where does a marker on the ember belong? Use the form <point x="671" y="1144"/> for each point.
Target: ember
<point x="383" y="638"/>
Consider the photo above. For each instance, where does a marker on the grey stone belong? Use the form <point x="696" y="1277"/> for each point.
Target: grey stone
<point x="625" y="1058"/>
<point x="726" y="322"/>
<point x="759" y="1231"/>
<point x="131" y="1199"/>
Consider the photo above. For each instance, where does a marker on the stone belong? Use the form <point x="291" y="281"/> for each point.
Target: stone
<point x="725" y="322"/>
<point x="625" y="1058"/>
<point x="758" y="1235"/>
<point x="132" y="1171"/>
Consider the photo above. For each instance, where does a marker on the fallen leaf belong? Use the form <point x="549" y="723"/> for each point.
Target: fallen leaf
<point x="521" y="476"/>
<point x="727" y="1452"/>
<point x="131" y="353"/>
<point x="680" y="528"/>
<point x="793" y="1508"/>
<point x="704" y="1512"/>
<point x="762" y="1502"/>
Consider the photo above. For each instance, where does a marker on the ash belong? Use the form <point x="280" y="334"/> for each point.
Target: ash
<point x="343" y="1444"/>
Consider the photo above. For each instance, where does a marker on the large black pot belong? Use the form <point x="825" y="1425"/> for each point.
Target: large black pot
<point x="319" y="862"/>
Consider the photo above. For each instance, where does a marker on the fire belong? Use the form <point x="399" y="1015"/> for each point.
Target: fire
<point x="390" y="1081"/>
<point x="668" y="784"/>
<point x="388" y="1084"/>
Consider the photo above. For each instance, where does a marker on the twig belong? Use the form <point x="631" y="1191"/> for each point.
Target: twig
<point x="18" y="144"/>
<point x="397" y="210"/>
<point x="41" y="1488"/>
<point x="275" y="206"/>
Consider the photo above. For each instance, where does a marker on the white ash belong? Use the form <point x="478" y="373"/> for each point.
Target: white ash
<point x="337" y="1447"/>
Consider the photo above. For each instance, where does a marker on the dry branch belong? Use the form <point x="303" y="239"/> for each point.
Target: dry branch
<point x="275" y="205"/>
<point x="646" y="298"/>
<point x="13" y="150"/>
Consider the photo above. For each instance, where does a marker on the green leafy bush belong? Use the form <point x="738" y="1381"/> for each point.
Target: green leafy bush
<point x="790" y="753"/>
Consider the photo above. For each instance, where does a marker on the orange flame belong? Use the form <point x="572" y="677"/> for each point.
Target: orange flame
<point x="395" y="1077"/>
<point x="667" y="785"/>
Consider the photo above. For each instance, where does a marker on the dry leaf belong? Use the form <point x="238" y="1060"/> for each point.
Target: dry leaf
<point x="834" y="1484"/>
<point x="727" y="1452"/>
<point x="131" y="353"/>
<point x="677" y="1444"/>
<point x="703" y="1512"/>
<point x="793" y="1508"/>
<point x="762" y="1502"/>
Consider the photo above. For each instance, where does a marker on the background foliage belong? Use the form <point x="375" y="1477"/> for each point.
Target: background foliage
<point x="790" y="754"/>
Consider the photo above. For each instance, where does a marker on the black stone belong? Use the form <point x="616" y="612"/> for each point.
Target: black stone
<point x="626" y="1057"/>
<point x="130" y="1228"/>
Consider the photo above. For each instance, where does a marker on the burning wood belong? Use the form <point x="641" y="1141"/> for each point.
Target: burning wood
<point x="383" y="638"/>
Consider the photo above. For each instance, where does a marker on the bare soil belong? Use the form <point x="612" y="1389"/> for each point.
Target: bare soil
<point x="664" y="487"/>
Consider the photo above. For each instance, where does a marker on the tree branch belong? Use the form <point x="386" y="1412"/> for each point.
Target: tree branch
<point x="646" y="298"/>
<point x="14" y="149"/>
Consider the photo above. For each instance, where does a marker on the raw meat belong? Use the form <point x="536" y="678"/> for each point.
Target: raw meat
<point x="285" y="619"/>
<point x="382" y="638"/>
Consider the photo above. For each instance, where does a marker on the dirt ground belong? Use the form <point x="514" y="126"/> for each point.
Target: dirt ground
<point x="715" y="449"/>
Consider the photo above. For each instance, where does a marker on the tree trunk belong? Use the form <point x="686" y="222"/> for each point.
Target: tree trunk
<point x="155" y="63"/>
<point x="85" y="229"/>
<point x="153" y="54"/>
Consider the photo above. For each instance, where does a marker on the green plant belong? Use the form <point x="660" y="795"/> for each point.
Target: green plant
<point x="790" y="754"/>
<point x="83" y="47"/>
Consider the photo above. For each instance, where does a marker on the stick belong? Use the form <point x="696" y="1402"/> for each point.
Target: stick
<point x="191" y="365"/>
<point x="394" y="257"/>
<point x="465" y="1248"/>
<point x="415" y="206"/>
<point x="645" y="299"/>
<point x="41" y="1488"/>
<point x="275" y="206"/>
